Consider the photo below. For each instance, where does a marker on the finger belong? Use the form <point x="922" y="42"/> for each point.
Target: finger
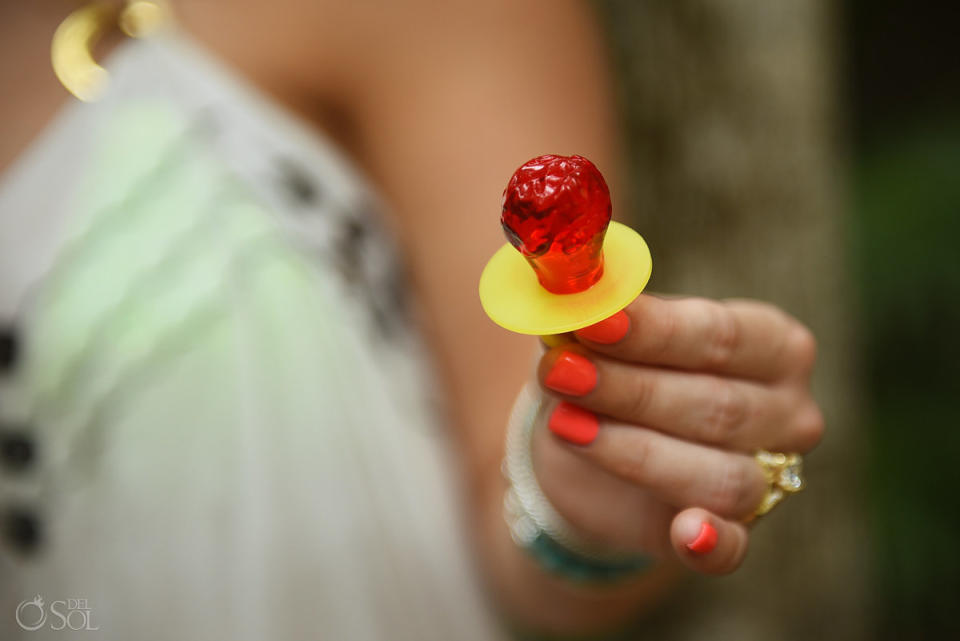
<point x="742" y="338"/>
<point x="602" y="508"/>
<point x="678" y="472"/>
<point x="707" y="543"/>
<point x="732" y="413"/>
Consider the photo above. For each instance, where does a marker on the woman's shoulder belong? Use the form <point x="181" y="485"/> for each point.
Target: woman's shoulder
<point x="337" y="62"/>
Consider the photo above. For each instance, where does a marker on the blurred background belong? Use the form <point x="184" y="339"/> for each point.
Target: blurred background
<point x="902" y="87"/>
<point x="808" y="153"/>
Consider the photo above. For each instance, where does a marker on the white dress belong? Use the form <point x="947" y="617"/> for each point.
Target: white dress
<point x="215" y="421"/>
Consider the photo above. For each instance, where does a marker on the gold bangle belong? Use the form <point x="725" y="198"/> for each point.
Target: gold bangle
<point x="73" y="41"/>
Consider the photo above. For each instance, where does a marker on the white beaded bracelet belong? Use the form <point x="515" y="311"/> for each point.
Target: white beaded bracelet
<point x="530" y="515"/>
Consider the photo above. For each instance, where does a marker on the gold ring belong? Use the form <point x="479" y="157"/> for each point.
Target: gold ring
<point x="783" y="474"/>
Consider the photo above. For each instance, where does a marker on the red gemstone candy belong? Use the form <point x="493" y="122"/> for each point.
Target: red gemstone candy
<point x="555" y="212"/>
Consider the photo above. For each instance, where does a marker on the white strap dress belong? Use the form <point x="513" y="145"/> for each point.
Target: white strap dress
<point x="217" y="419"/>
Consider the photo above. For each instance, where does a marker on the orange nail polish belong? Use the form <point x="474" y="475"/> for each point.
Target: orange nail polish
<point x="706" y="540"/>
<point x="574" y="424"/>
<point x="608" y="331"/>
<point x="572" y="374"/>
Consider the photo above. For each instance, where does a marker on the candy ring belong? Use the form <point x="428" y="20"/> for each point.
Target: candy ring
<point x="556" y="211"/>
<point x="513" y="298"/>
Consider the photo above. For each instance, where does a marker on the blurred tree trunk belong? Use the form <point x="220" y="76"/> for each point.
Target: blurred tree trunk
<point x="731" y="115"/>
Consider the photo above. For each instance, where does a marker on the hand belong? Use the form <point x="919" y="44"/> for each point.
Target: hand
<point x="678" y="395"/>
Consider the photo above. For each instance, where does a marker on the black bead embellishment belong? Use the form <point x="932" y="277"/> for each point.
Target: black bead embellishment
<point x="17" y="450"/>
<point x="9" y="349"/>
<point x="301" y="187"/>
<point x="22" y="530"/>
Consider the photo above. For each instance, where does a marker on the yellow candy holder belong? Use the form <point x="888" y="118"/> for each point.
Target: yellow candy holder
<point x="513" y="298"/>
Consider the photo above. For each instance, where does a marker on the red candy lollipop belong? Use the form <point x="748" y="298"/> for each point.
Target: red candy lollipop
<point x="556" y="211"/>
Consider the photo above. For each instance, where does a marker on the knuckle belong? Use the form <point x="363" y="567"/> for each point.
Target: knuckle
<point x="631" y="461"/>
<point x="724" y="336"/>
<point x="810" y="427"/>
<point x="731" y="491"/>
<point x="639" y="396"/>
<point x="802" y="348"/>
<point x="728" y="412"/>
<point x="662" y="340"/>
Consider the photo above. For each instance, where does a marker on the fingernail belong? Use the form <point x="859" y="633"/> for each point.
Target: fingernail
<point x="706" y="540"/>
<point x="608" y="331"/>
<point x="572" y="374"/>
<point x="574" y="424"/>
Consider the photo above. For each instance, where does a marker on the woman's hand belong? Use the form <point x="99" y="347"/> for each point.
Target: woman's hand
<point x="678" y="394"/>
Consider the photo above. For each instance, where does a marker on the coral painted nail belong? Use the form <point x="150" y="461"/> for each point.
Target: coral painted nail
<point x="608" y="331"/>
<point x="706" y="540"/>
<point x="572" y="374"/>
<point x="574" y="424"/>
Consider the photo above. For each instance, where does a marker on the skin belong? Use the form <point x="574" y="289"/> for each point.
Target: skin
<point x="439" y="103"/>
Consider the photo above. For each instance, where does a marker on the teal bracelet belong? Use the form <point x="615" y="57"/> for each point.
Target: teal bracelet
<point x="559" y="560"/>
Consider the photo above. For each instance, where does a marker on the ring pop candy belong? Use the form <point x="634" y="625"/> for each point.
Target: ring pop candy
<point x="585" y="268"/>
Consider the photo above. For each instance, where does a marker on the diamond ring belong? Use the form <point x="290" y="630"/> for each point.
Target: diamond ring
<point x="783" y="474"/>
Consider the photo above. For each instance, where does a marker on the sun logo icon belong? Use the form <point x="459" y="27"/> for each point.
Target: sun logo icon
<point x="26" y="620"/>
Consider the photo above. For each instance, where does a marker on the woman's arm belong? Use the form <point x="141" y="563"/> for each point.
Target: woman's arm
<point x="464" y="93"/>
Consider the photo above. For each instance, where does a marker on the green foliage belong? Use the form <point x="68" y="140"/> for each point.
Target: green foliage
<point x="906" y="227"/>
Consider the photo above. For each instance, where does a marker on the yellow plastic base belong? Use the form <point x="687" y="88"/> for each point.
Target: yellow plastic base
<point x="513" y="298"/>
